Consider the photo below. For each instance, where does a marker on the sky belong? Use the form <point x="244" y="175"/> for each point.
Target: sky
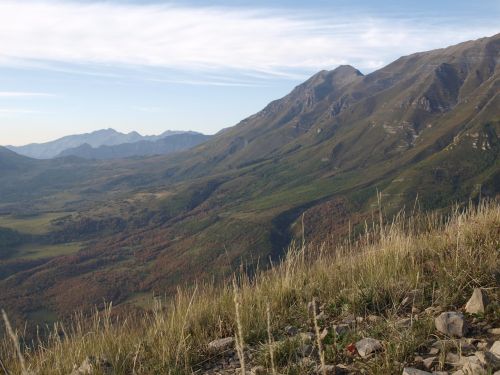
<point x="70" y="67"/>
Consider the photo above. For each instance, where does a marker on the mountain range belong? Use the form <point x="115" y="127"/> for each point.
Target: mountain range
<point x="100" y="144"/>
<point x="317" y="164"/>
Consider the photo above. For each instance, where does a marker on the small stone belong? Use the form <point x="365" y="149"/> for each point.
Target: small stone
<point x="368" y="346"/>
<point x="415" y="310"/>
<point x="418" y="359"/>
<point x="404" y="323"/>
<point x="428" y="362"/>
<point x="360" y="319"/>
<point x="494" y="331"/>
<point x="291" y="330"/>
<point x="414" y="371"/>
<point x="221" y="344"/>
<point x="451" y="324"/>
<point x="341" y="329"/>
<point x="495" y="348"/>
<point x="373" y="318"/>
<point x="434" y="351"/>
<point x="482" y="345"/>
<point x="258" y="370"/>
<point x="452" y="359"/>
<point x="321" y="316"/>
<point x="477" y="302"/>
<point x="471" y="368"/>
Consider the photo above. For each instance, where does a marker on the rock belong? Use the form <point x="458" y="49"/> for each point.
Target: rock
<point x="291" y="330"/>
<point x="258" y="370"/>
<point x="494" y="331"/>
<point x="434" y="351"/>
<point x="415" y="310"/>
<point x="368" y="346"/>
<point x="482" y="345"/>
<point x="428" y="362"/>
<point x="404" y="323"/>
<point x="341" y="329"/>
<point x="452" y="359"/>
<point x="373" y="318"/>
<point x="495" y="349"/>
<point x="471" y="368"/>
<point x="451" y="324"/>
<point x="439" y="373"/>
<point x="488" y="359"/>
<point x="360" y="319"/>
<point x="414" y="371"/>
<point x="221" y="344"/>
<point x="321" y="316"/>
<point x="477" y="302"/>
<point x="91" y="365"/>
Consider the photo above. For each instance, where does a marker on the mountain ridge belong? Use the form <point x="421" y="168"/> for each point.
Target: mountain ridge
<point x="97" y="138"/>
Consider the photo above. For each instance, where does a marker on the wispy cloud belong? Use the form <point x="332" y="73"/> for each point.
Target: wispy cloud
<point x="271" y="42"/>
<point x="18" y="111"/>
<point x="20" y="94"/>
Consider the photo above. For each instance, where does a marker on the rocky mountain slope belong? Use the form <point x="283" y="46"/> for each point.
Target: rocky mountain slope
<point x="420" y="132"/>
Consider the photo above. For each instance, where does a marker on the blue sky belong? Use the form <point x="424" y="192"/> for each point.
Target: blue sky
<point x="70" y="67"/>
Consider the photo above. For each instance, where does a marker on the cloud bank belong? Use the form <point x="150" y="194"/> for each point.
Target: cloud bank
<point x="271" y="42"/>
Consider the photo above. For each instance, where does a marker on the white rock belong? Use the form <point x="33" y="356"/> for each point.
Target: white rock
<point x="495" y="348"/>
<point x="451" y="323"/>
<point x="368" y="346"/>
<point x="477" y="302"/>
<point x="221" y="344"/>
<point x="414" y="371"/>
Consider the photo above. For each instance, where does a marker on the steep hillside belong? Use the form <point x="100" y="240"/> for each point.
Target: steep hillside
<point x="163" y="146"/>
<point x="422" y="131"/>
<point x="394" y="300"/>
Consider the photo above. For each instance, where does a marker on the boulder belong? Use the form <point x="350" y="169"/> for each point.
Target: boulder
<point x="451" y="323"/>
<point x="367" y="346"/>
<point x="221" y="344"/>
<point x="414" y="371"/>
<point x="477" y="302"/>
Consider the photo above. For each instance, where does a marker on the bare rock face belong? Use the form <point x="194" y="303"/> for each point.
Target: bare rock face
<point x="368" y="346"/>
<point x="451" y="323"/>
<point x="477" y="302"/>
<point x="221" y="344"/>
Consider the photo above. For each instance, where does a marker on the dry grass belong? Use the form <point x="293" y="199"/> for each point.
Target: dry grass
<point x="430" y="259"/>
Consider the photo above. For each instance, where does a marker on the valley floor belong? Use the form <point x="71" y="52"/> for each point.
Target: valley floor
<point x="392" y="301"/>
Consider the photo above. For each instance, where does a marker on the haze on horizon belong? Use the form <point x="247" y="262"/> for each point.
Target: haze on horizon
<point x="70" y="67"/>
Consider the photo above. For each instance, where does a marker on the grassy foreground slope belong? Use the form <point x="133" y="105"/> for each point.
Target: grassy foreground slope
<point x="394" y="270"/>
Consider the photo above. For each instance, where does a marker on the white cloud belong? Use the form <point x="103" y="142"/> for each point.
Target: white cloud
<point x="20" y="94"/>
<point x="196" y="38"/>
